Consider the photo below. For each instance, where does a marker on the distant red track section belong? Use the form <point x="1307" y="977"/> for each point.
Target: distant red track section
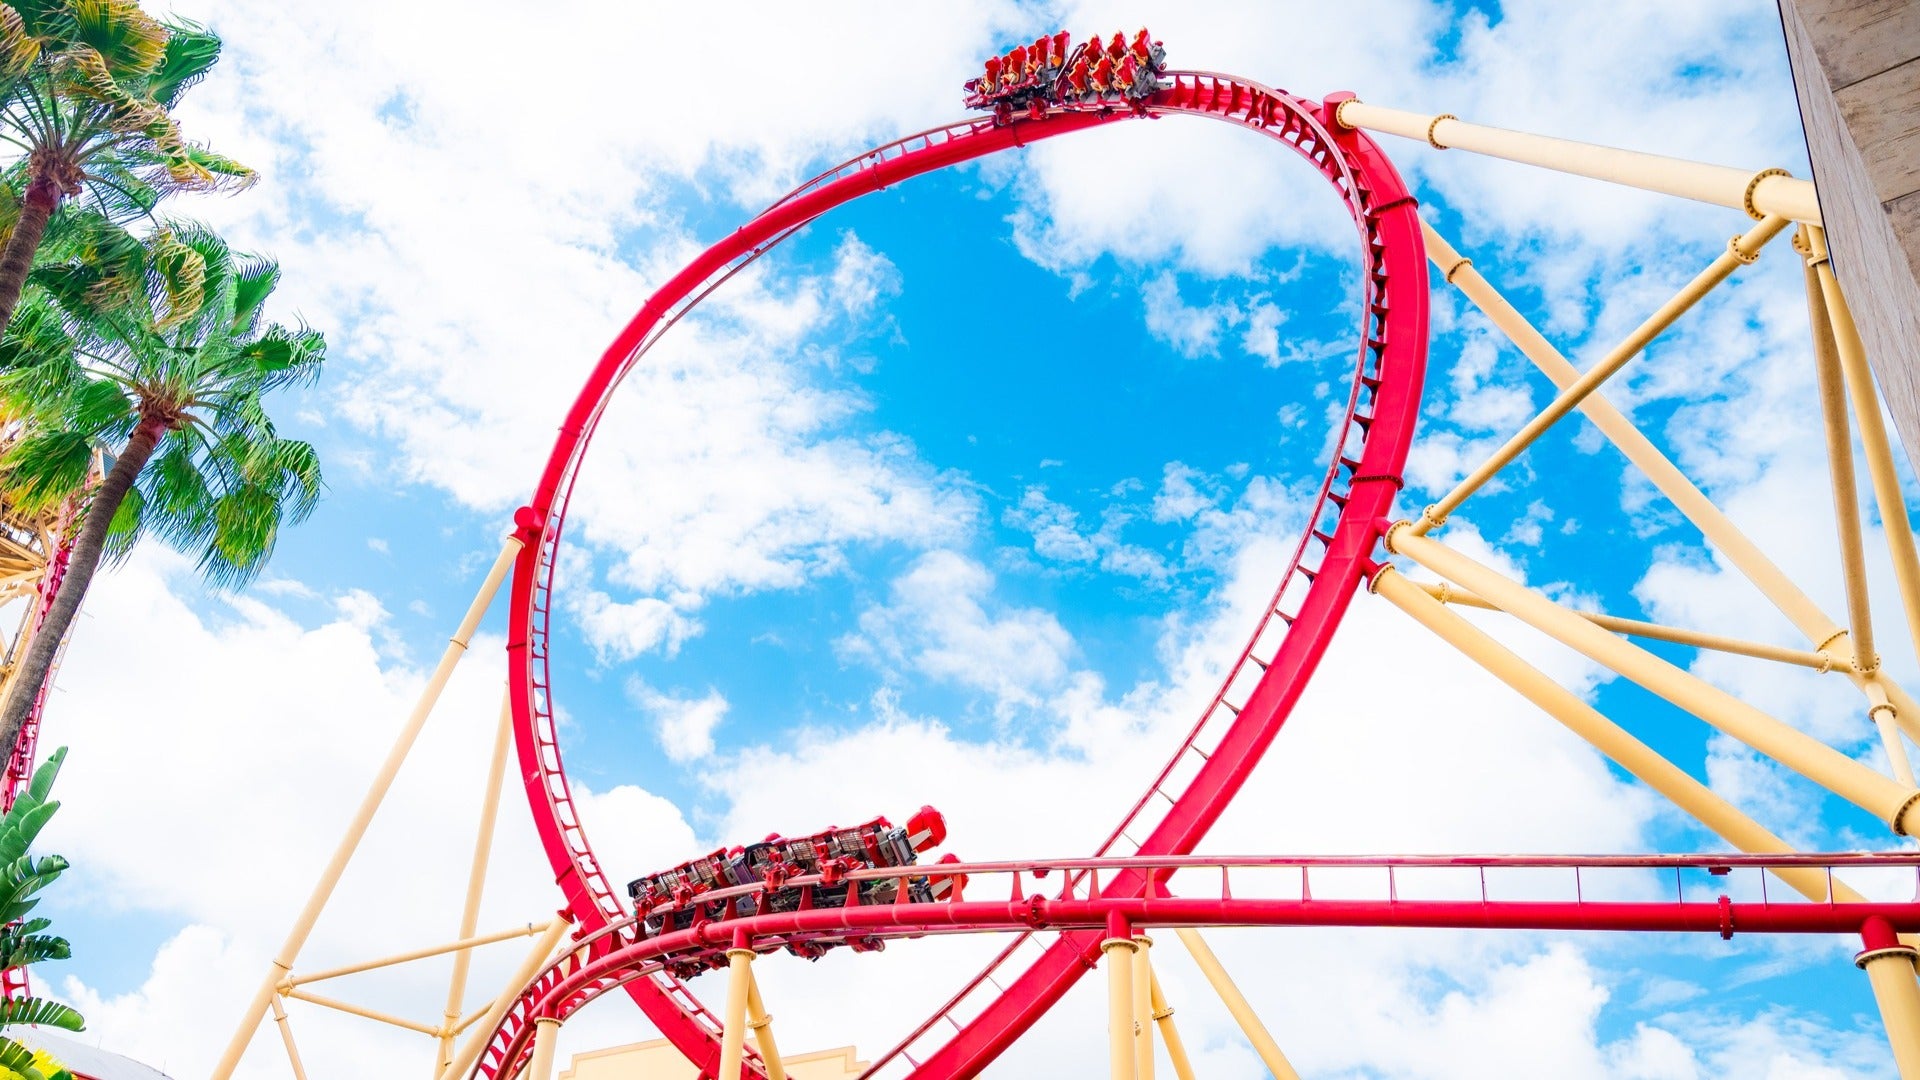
<point x="1205" y="772"/>
<point x="1704" y="907"/>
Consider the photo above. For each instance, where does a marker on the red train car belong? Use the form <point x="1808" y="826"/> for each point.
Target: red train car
<point x="670" y="900"/>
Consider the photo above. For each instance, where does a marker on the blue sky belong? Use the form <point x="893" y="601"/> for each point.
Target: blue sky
<point x="965" y="495"/>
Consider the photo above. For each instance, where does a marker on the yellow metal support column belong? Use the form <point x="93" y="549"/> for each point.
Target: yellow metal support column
<point x="1886" y="799"/>
<point x="1142" y="1007"/>
<point x="733" y="1031"/>
<point x="1740" y="251"/>
<point x="1873" y="436"/>
<point x="286" y="1039"/>
<point x="1846" y="493"/>
<point x="1169" y="1035"/>
<point x="536" y="959"/>
<point x="1118" y="953"/>
<point x="546" y="1033"/>
<point x="477" y="877"/>
<point x="1890" y="968"/>
<point x="1768" y="191"/>
<point x="1637" y="758"/>
<point x="1686" y="497"/>
<point x="761" y="1025"/>
<point x="283" y="962"/>
<point x="1236" y="1002"/>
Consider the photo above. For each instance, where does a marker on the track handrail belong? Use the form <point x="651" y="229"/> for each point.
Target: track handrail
<point x="571" y="984"/>
<point x="1369" y="447"/>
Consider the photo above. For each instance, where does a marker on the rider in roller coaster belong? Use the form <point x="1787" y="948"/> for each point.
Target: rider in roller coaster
<point x="670" y="900"/>
<point x="1046" y="74"/>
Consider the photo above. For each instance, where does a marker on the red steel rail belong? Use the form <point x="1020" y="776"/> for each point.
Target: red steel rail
<point x="569" y="985"/>
<point x="1207" y="769"/>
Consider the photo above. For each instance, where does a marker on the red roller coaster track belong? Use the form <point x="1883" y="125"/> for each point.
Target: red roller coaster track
<point x="1205" y="772"/>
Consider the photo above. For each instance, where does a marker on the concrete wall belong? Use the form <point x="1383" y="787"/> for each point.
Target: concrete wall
<point x="1856" y="67"/>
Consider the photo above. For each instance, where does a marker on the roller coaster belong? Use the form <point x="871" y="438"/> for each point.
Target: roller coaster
<point x="1063" y="919"/>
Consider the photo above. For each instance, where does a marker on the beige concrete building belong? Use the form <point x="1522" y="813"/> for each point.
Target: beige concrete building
<point x="1856" y="70"/>
<point x="658" y="1060"/>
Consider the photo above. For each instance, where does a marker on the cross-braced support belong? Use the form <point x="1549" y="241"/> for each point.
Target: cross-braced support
<point x="1847" y="400"/>
<point x="281" y="980"/>
<point x="1237" y="1004"/>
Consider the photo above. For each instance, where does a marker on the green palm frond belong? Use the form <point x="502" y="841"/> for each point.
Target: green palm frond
<point x="191" y="52"/>
<point x="18" y="1061"/>
<point x="41" y="1012"/>
<point x="19" y="48"/>
<point x="44" y="469"/>
<point x="22" y="944"/>
<point x="130" y="42"/>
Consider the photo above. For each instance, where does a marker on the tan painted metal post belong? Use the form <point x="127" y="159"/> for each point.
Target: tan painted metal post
<point x="1637" y="758"/>
<point x="1846" y="493"/>
<point x="1767" y="191"/>
<point x="1142" y="1007"/>
<point x="1740" y="251"/>
<point x="1890" y="968"/>
<point x="1118" y="953"/>
<point x="546" y="1033"/>
<point x="477" y="876"/>
<point x="761" y="1025"/>
<point x="1873" y="437"/>
<point x="1722" y="533"/>
<point x="1453" y="594"/>
<point x="1236" y="1002"/>
<point x="286" y="1038"/>
<point x="1886" y="799"/>
<point x="282" y="965"/>
<point x="1169" y="1035"/>
<point x="535" y="960"/>
<point x="733" y="1032"/>
<point x="1884" y="716"/>
<point x="474" y="942"/>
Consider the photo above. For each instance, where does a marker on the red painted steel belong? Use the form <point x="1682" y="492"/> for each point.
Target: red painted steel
<point x="14" y="982"/>
<point x="1230" y="737"/>
<point x="568" y="986"/>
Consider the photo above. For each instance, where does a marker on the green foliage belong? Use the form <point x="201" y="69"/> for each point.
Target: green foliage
<point x="166" y="334"/>
<point x="89" y="86"/>
<point x="22" y="942"/>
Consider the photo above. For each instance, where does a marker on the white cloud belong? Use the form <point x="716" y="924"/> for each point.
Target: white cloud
<point x="684" y="726"/>
<point x="939" y="622"/>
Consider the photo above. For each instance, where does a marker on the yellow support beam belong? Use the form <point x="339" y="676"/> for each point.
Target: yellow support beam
<point x="461" y="946"/>
<point x="1886" y="799"/>
<point x="1846" y="497"/>
<point x="1741" y="251"/>
<point x="1637" y="758"/>
<point x="1768" y="191"/>
<point x="536" y="959"/>
<point x="1453" y="594"/>
<point x="1169" y="1035"/>
<point x="1118" y="953"/>
<point x="1881" y="472"/>
<point x="1800" y="609"/>
<point x="362" y="1011"/>
<point x="733" y="1031"/>
<point x="283" y="961"/>
<point x="477" y="875"/>
<point x="761" y="1024"/>
<point x="286" y="1039"/>
<point x="1142" y="1007"/>
<point x="546" y="1036"/>
<point x="1236" y="1002"/>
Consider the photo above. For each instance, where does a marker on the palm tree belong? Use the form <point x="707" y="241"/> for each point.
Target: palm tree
<point x="89" y="85"/>
<point x="173" y="374"/>
<point x="23" y="940"/>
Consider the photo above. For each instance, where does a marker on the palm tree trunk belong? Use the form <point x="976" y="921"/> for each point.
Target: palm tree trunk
<point x="42" y="198"/>
<point x="81" y="565"/>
